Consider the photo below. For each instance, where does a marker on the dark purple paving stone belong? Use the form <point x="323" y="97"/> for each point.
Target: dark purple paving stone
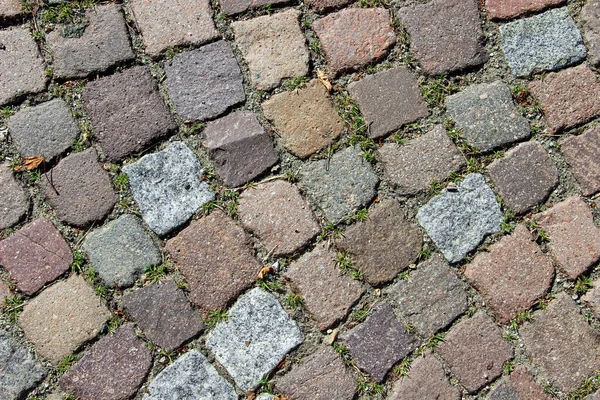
<point x="13" y="200"/>
<point x="126" y="112"/>
<point x="164" y="314"/>
<point x="240" y="147"/>
<point x="518" y="385"/>
<point x="205" y="82"/>
<point x="582" y="153"/>
<point x="112" y="369"/>
<point x="81" y="191"/>
<point x="233" y="7"/>
<point x="321" y="6"/>
<point x="35" y="255"/>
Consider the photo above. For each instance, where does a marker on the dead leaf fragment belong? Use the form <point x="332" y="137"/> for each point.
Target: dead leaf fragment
<point x="30" y="163"/>
<point x="280" y="397"/>
<point x="333" y="336"/>
<point x="324" y="80"/>
<point x="250" y="395"/>
<point x="265" y="271"/>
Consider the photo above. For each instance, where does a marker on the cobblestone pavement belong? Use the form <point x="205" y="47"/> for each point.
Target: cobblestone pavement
<point x="274" y="199"/>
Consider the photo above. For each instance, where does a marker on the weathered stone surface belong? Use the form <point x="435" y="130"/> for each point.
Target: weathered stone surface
<point x="5" y="292"/>
<point x="518" y="385"/>
<point x="216" y="259"/>
<point x="327" y="292"/>
<point x="10" y="9"/>
<point x="232" y="7"/>
<point x="412" y="167"/>
<point x="81" y="191"/>
<point x="544" y="42"/>
<point x="293" y="116"/>
<point x="445" y="35"/>
<point x="595" y="396"/>
<point x="254" y="339"/>
<point x="321" y="6"/>
<point x="173" y="23"/>
<point x="280" y="218"/>
<point x="574" y="238"/>
<point x="13" y="200"/>
<point x="383" y="245"/>
<point x="354" y="37"/>
<point x="168" y="187"/>
<point x="35" y="255"/>
<point x="509" y="9"/>
<point x="121" y="250"/>
<point x="112" y="369"/>
<point x="321" y="376"/>
<point x="63" y="317"/>
<point x="590" y="13"/>
<point x="164" y="314"/>
<point x="380" y="342"/>
<point x="21" y="67"/>
<point x="582" y="153"/>
<point x="389" y="99"/>
<point x="458" y="220"/>
<point x="475" y="351"/>
<point x="103" y="44"/>
<point x="240" y="147"/>
<point x="47" y="129"/>
<point x="562" y="344"/>
<point x="274" y="48"/>
<point x="592" y="298"/>
<point x="525" y="177"/>
<point x="190" y="376"/>
<point x="340" y="185"/>
<point x="432" y="297"/>
<point x="20" y="370"/>
<point x="126" y="112"/>
<point x="205" y="82"/>
<point x="568" y="98"/>
<point x="512" y="276"/>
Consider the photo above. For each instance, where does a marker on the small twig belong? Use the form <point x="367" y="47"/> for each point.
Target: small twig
<point x="50" y="181"/>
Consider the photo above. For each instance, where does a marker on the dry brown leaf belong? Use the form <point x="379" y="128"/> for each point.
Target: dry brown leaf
<point x="280" y="397"/>
<point x="30" y="163"/>
<point x="250" y="395"/>
<point x="324" y="79"/>
<point x="265" y="271"/>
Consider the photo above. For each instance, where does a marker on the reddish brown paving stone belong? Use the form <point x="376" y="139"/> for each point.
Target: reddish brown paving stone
<point x="518" y="385"/>
<point x="327" y="292"/>
<point x="592" y="298"/>
<point x="13" y="201"/>
<point x="574" y="239"/>
<point x="216" y="258"/>
<point x="590" y="14"/>
<point x="582" y="153"/>
<point x="10" y="9"/>
<point x="85" y="193"/>
<point x="562" y="344"/>
<point x="568" y="97"/>
<point x="508" y="9"/>
<point x="512" y="275"/>
<point x="321" y="6"/>
<point x="475" y="351"/>
<point x="321" y="376"/>
<point x="383" y="245"/>
<point x="112" y="369"/>
<point x="35" y="255"/>
<point x="232" y="7"/>
<point x="354" y="37"/>
<point x="445" y="35"/>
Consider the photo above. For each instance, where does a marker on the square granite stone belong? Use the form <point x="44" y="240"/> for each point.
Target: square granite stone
<point x="21" y="372"/>
<point x="10" y="9"/>
<point x="518" y="385"/>
<point x="14" y="202"/>
<point x="509" y="9"/>
<point x="592" y="298"/>
<point x="590" y="14"/>
<point x="582" y="153"/>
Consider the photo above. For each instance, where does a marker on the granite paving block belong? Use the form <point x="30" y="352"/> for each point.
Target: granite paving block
<point x="81" y="191"/>
<point x="518" y="385"/>
<point x="14" y="201"/>
<point x="383" y="245"/>
<point x="112" y="369"/>
<point x="380" y="342"/>
<point x="432" y="297"/>
<point x="321" y="376"/>
<point x="412" y="167"/>
<point x="341" y="185"/>
<point x="164" y="24"/>
<point x="525" y="177"/>
<point x="240" y="147"/>
<point x="21" y="372"/>
<point x="191" y="375"/>
<point x="512" y="275"/>
<point x="562" y="344"/>
<point x="63" y="317"/>
<point x="582" y="153"/>
<point x="35" y="255"/>
<point x="475" y="351"/>
<point x="254" y="339"/>
<point x="216" y="258"/>
<point x="590" y="14"/>
<point x="487" y="116"/>
<point x="546" y="42"/>
<point x="445" y="35"/>
<point x="103" y="44"/>
<point x="167" y="187"/>
<point x="592" y="298"/>
<point x="509" y="9"/>
<point x="321" y="6"/>
<point x="574" y="239"/>
<point x="205" y="82"/>
<point x="354" y="37"/>
<point x="126" y="112"/>
<point x="232" y="7"/>
<point x="164" y="314"/>
<point x="121" y="250"/>
<point x="594" y="396"/>
<point x="10" y="9"/>
<point x="388" y="100"/>
<point x="46" y="130"/>
<point x="278" y="216"/>
<point x="274" y="48"/>
<point x="292" y="115"/>
<point x="21" y="66"/>
<point x="458" y="220"/>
